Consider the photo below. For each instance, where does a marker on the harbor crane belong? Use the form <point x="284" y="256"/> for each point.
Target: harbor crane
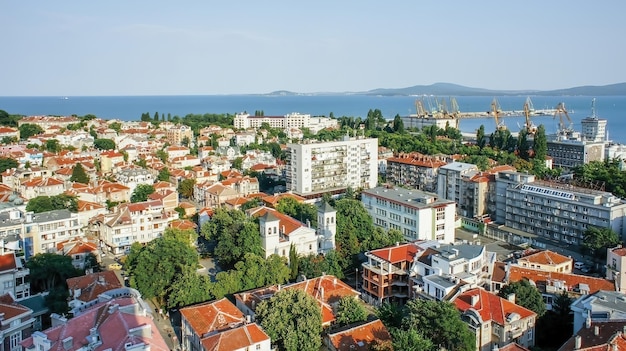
<point x="455" y="112"/>
<point x="531" y="129"/>
<point x="495" y="111"/>
<point x="563" y="128"/>
<point x="420" y="109"/>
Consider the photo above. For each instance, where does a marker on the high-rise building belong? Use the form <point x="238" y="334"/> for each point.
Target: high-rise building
<point x="318" y="167"/>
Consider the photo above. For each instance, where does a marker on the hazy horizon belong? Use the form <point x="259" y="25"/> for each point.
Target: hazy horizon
<point x="152" y="48"/>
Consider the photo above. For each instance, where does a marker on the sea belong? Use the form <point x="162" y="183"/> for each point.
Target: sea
<point x="129" y="108"/>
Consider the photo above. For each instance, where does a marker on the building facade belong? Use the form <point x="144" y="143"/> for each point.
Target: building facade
<point x="415" y="170"/>
<point x="315" y="168"/>
<point x="416" y="214"/>
<point x="45" y="230"/>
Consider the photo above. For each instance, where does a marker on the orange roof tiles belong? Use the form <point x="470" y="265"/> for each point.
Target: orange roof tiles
<point x="10" y="309"/>
<point x="274" y="199"/>
<point x="395" y="254"/>
<point x="7" y="262"/>
<point x="546" y="257"/>
<point x="360" y="337"/>
<point x="543" y="278"/>
<point x="212" y="316"/>
<point x="621" y="251"/>
<point x="287" y="224"/>
<point x="183" y="224"/>
<point x="235" y="339"/>
<point x="491" y="307"/>
<point x="92" y="285"/>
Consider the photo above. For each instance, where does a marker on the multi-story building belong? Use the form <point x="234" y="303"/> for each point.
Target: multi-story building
<point x="176" y="134"/>
<point x="616" y="267"/>
<point x="14" y="276"/>
<point x="560" y="212"/>
<point x="315" y="168"/>
<point x="48" y="121"/>
<point x="16" y="324"/>
<point x="496" y="321"/>
<point x="602" y="306"/>
<point x="139" y="222"/>
<point x="593" y="128"/>
<point x="109" y="160"/>
<point x="417" y="214"/>
<point x="415" y="170"/>
<point x="548" y="261"/>
<point x="41" y="187"/>
<point x="569" y="153"/>
<point x="84" y="291"/>
<point x="133" y="176"/>
<point x="11" y="229"/>
<point x="45" y="230"/>
<point x="451" y="182"/>
<point x="297" y="120"/>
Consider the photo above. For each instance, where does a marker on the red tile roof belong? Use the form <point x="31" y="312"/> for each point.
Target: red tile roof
<point x="395" y="254"/>
<point x="10" y="309"/>
<point x="212" y="316"/>
<point x="287" y="224"/>
<point x="621" y="251"/>
<point x="92" y="285"/>
<point x="546" y="257"/>
<point x="183" y="224"/>
<point x="513" y="347"/>
<point x="235" y="339"/>
<point x="491" y="307"/>
<point x="359" y="337"/>
<point x="7" y="262"/>
<point x="571" y="281"/>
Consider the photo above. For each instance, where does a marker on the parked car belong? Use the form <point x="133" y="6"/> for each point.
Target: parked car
<point x="115" y="266"/>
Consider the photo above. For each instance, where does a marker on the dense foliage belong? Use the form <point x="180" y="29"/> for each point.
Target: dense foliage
<point x="604" y="174"/>
<point x="7" y="163"/>
<point x="292" y="319"/>
<point x="141" y="193"/>
<point x="555" y="327"/>
<point x="79" y="175"/>
<point x="48" y="273"/>
<point x="104" y="144"/>
<point x="27" y="130"/>
<point x="350" y="310"/>
<point x="526" y="295"/>
<point x="50" y="203"/>
<point x="596" y="240"/>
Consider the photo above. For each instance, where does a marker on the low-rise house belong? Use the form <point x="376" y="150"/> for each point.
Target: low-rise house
<point x="184" y="161"/>
<point x="133" y="176"/>
<point x="598" y="336"/>
<point x="547" y="260"/>
<point x="120" y="320"/>
<point x="79" y="250"/>
<point x="602" y="306"/>
<point x="496" y="321"/>
<point x="84" y="291"/>
<point x="41" y="187"/>
<point x="174" y="151"/>
<point x="14" y="276"/>
<point x="360" y="337"/>
<point x="88" y="210"/>
<point x="16" y="324"/>
<point x="616" y="267"/>
<point x="109" y="160"/>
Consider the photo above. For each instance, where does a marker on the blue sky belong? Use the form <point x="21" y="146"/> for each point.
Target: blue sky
<point x="69" y="48"/>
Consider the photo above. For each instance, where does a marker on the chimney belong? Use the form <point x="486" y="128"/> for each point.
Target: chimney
<point x="101" y="279"/>
<point x="596" y="330"/>
<point x="474" y="301"/>
<point x="577" y="342"/>
<point x="248" y="319"/>
<point x="588" y="320"/>
<point x="511" y="297"/>
<point x="67" y="343"/>
<point x="334" y="282"/>
<point x="495" y="347"/>
<point x="397" y="243"/>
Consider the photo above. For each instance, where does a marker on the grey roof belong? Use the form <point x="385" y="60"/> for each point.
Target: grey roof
<point x="51" y="216"/>
<point x="36" y="303"/>
<point x="132" y="172"/>
<point x="604" y="300"/>
<point x="6" y="221"/>
<point x="325" y="207"/>
<point x="465" y="251"/>
<point x="410" y="197"/>
<point x="459" y="166"/>
<point x="440" y="280"/>
<point x="269" y="217"/>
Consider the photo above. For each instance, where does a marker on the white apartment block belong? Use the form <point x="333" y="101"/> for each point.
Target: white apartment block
<point x="134" y="176"/>
<point x="45" y="230"/>
<point x="316" y="168"/>
<point x="417" y="214"/>
<point x="616" y="267"/>
<point x="291" y="120"/>
<point x="139" y="222"/>
<point x="450" y="180"/>
<point x="559" y="212"/>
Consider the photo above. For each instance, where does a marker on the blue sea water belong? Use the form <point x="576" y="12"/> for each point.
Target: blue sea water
<point x="612" y="108"/>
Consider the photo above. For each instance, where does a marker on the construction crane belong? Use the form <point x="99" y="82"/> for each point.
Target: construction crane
<point x="419" y="108"/>
<point x="495" y="110"/>
<point x="563" y="128"/>
<point x="531" y="129"/>
<point x="455" y="111"/>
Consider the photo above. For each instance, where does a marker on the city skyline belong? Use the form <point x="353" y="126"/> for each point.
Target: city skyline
<point x="77" y="48"/>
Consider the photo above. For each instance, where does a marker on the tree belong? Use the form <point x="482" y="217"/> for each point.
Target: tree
<point x="300" y="211"/>
<point x="7" y="163"/>
<point x="350" y="310"/>
<point x="293" y="262"/>
<point x="186" y="187"/>
<point x="237" y="163"/>
<point x="50" y="203"/>
<point x="480" y="137"/>
<point x="292" y="319"/>
<point x="49" y="271"/>
<point x="555" y="327"/>
<point x="411" y="340"/>
<point x="439" y="322"/>
<point x="526" y="295"/>
<point x="141" y="193"/>
<point x="164" y="174"/>
<point x="116" y="126"/>
<point x="596" y="240"/>
<point x="189" y="288"/>
<point x="79" y="175"/>
<point x="104" y="144"/>
<point x="540" y="144"/>
<point x="398" y="124"/>
<point x="523" y="145"/>
<point x="53" y="145"/>
<point x="27" y="130"/>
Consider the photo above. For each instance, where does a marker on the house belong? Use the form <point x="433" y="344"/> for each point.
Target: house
<point x="119" y="320"/>
<point x="79" y="250"/>
<point x="496" y="321"/>
<point x="327" y="290"/>
<point x="357" y="338"/>
<point x="45" y="230"/>
<point x="548" y="261"/>
<point x="598" y="336"/>
<point x="109" y="159"/>
<point x="16" y="324"/>
<point x="220" y="325"/>
<point x="616" y="267"/>
<point x="41" y="187"/>
<point x="602" y="306"/>
<point x="14" y="276"/>
<point x="87" y="210"/>
<point x="133" y="176"/>
<point x="84" y="291"/>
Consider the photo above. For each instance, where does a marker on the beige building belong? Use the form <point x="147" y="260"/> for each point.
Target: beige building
<point x="548" y="261"/>
<point x="616" y="267"/>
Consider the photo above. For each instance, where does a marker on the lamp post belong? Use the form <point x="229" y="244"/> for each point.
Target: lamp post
<point x="356" y="275"/>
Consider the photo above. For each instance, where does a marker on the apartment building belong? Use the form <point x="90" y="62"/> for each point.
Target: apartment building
<point x="14" y="276"/>
<point x="602" y="306"/>
<point x="414" y="170"/>
<point x="560" y="212"/>
<point x="616" y="267"/>
<point x="496" y="321"/>
<point x="593" y="128"/>
<point x="450" y="184"/>
<point x="176" y="134"/>
<point x="131" y="177"/>
<point x="84" y="291"/>
<point x="315" y="168"/>
<point x="44" y="231"/>
<point x="291" y="120"/>
<point x="569" y="153"/>
<point x="417" y="214"/>
<point x="17" y="323"/>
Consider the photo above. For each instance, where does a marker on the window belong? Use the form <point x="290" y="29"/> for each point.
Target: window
<point x="15" y="341"/>
<point x="8" y="284"/>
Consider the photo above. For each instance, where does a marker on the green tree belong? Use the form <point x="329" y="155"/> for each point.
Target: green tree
<point x="116" y="126"/>
<point x="398" y="124"/>
<point x="294" y="260"/>
<point x="540" y="144"/>
<point x="79" y="175"/>
<point x="380" y="238"/>
<point x="292" y="319"/>
<point x="27" y="130"/>
<point x="439" y="322"/>
<point x="237" y="163"/>
<point x="49" y="271"/>
<point x="53" y="145"/>
<point x="526" y="295"/>
<point x="7" y="163"/>
<point x="141" y="193"/>
<point x="555" y="327"/>
<point x="390" y="314"/>
<point x="300" y="211"/>
<point x="185" y="188"/>
<point x="596" y="240"/>
<point x="411" y="340"/>
<point x="104" y="144"/>
<point x="50" y="203"/>
<point x="8" y="120"/>
<point x="523" y="145"/>
<point x="481" y="141"/>
<point x="354" y="225"/>
<point x="350" y="310"/>
<point x="189" y="288"/>
<point x="164" y="174"/>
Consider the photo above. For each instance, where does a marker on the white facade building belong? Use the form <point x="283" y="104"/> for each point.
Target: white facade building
<point x="417" y="214"/>
<point x="45" y="230"/>
<point x="316" y="168"/>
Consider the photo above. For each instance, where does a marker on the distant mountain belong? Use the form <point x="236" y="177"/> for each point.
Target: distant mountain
<point x="589" y="90"/>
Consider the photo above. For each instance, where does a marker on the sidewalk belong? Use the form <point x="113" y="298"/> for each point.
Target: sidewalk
<point x="164" y="326"/>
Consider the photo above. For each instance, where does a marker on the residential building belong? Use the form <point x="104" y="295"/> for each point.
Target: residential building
<point x="385" y="274"/>
<point x="415" y="170"/>
<point x="79" y="250"/>
<point x="496" y="321"/>
<point x="327" y="290"/>
<point x="569" y="153"/>
<point x="16" y="324"/>
<point x="87" y="210"/>
<point x="11" y="229"/>
<point x="279" y="232"/>
<point x="616" y="267"/>
<point x="560" y="212"/>
<point x="120" y="320"/>
<point x="416" y="214"/>
<point x="360" y="337"/>
<point x="176" y="134"/>
<point x="8" y="132"/>
<point x="594" y="128"/>
<point x="298" y="120"/>
<point x="548" y="261"/>
<point x="109" y="160"/>
<point x="450" y="184"/>
<point x="14" y="276"/>
<point x="598" y="336"/>
<point x="601" y="306"/>
<point x="45" y="230"/>
<point x="84" y="291"/>
<point x="132" y="176"/>
<point x="318" y="167"/>
<point x="41" y="187"/>
<point x="48" y="121"/>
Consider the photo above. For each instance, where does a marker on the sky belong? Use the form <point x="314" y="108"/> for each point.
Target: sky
<point x="77" y="47"/>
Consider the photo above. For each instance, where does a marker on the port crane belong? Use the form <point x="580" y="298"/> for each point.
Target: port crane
<point x="531" y="129"/>
<point x="455" y="111"/>
<point x="563" y="128"/>
<point x="495" y="111"/>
